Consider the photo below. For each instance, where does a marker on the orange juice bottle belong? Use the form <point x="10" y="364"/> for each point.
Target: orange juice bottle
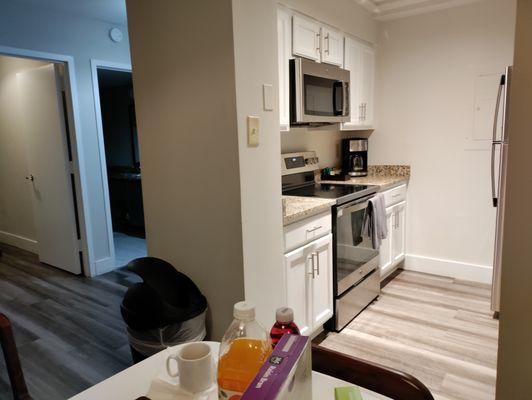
<point x="245" y="347"/>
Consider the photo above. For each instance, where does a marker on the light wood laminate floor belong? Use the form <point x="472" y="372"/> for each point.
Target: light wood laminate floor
<point x="69" y="331"/>
<point x="438" y="329"/>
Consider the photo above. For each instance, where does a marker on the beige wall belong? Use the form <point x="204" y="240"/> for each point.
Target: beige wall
<point x="16" y="213"/>
<point x="354" y="19"/>
<point x="426" y="73"/>
<point x="515" y="345"/>
<point x="184" y="81"/>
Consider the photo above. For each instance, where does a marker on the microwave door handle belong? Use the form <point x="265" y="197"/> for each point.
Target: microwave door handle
<point x="345" y="92"/>
<point x="337" y="110"/>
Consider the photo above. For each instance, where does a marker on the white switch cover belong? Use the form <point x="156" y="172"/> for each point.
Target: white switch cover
<point x="253" y="131"/>
<point x="267" y="96"/>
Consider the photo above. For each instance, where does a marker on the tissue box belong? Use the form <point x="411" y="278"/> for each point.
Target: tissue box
<point x="287" y="374"/>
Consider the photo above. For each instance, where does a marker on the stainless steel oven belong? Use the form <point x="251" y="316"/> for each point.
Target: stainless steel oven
<point x="355" y="265"/>
<point x="319" y="93"/>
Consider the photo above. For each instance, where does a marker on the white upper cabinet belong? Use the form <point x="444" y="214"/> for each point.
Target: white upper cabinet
<point x="332" y="46"/>
<point x="284" y="47"/>
<point x="359" y="59"/>
<point x="306" y="37"/>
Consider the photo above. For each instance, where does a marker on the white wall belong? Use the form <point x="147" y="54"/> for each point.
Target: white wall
<point x="16" y="210"/>
<point x="255" y="21"/>
<point x="351" y="18"/>
<point x="425" y="94"/>
<point x="37" y="29"/>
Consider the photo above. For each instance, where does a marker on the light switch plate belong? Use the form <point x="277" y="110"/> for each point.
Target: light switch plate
<point x="267" y="96"/>
<point x="253" y="130"/>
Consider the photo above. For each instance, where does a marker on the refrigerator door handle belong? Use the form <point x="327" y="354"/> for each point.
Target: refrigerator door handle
<point x="494" y="144"/>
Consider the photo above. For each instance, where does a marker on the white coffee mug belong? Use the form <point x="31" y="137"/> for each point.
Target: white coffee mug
<point x="194" y="367"/>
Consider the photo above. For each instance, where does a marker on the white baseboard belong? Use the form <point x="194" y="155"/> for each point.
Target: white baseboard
<point x="450" y="268"/>
<point x="104" y="265"/>
<point x="19" y="241"/>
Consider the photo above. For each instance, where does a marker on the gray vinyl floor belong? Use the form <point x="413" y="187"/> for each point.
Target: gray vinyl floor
<point x="438" y="329"/>
<point x="68" y="329"/>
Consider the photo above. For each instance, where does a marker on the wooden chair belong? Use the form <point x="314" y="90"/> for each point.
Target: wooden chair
<point x="14" y="370"/>
<point x="394" y="384"/>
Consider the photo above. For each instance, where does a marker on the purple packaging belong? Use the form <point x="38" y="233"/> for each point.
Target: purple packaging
<point x="287" y="374"/>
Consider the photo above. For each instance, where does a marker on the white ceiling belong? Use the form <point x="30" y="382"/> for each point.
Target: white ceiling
<point x="113" y="11"/>
<point x="391" y="9"/>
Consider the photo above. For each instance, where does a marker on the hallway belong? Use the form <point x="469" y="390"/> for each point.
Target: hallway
<point x="69" y="331"/>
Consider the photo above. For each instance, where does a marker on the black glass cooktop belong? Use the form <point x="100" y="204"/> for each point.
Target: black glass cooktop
<point x="340" y="193"/>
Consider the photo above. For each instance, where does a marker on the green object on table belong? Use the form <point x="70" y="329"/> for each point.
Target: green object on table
<point x="347" y="393"/>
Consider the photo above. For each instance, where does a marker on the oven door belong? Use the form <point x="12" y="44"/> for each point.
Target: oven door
<point x="320" y="93"/>
<point x="355" y="256"/>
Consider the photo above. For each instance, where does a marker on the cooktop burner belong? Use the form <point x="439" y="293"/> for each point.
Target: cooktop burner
<point x="340" y="193"/>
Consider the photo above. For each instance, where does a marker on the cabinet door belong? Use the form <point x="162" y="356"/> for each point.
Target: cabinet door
<point x="305" y="37"/>
<point x="385" y="251"/>
<point x="399" y="232"/>
<point x="298" y="265"/>
<point x="367" y="85"/>
<point x="284" y="41"/>
<point x="353" y="62"/>
<point x="322" y="285"/>
<point x="332" y="46"/>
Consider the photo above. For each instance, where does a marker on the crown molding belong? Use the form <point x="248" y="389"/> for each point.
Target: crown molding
<point x="407" y="8"/>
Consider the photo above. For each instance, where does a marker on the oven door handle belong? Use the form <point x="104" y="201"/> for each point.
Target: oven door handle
<point x="360" y="204"/>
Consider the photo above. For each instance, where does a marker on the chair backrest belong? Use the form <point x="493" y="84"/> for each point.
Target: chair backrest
<point x="14" y="370"/>
<point x="394" y="384"/>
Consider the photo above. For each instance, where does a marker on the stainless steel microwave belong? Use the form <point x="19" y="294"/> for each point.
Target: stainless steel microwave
<point x="319" y="93"/>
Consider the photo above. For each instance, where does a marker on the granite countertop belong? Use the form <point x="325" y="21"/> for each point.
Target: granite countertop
<point x="384" y="176"/>
<point x="297" y="208"/>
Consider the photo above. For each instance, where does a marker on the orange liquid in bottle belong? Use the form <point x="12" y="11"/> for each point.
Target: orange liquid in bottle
<point x="239" y="365"/>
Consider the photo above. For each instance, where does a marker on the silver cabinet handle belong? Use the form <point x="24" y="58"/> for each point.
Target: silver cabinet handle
<point x="313" y="270"/>
<point x="397" y="221"/>
<point x="318" y="42"/>
<point x="314" y="229"/>
<point x="318" y="262"/>
<point x="328" y="43"/>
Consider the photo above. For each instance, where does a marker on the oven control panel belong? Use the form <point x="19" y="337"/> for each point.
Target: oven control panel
<point x="293" y="163"/>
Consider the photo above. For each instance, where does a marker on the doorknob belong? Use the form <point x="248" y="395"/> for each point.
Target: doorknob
<point x="30" y="178"/>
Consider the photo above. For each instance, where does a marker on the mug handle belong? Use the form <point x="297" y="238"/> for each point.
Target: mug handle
<point x="168" y="370"/>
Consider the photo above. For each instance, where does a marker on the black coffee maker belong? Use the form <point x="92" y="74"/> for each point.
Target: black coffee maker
<point x="355" y="157"/>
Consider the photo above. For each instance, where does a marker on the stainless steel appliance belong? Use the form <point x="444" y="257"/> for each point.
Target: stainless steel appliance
<point x="499" y="159"/>
<point x="356" y="280"/>
<point x="355" y="157"/>
<point x="319" y="93"/>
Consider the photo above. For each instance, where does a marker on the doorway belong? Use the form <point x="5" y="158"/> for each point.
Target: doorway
<point x="38" y="199"/>
<point x="122" y="162"/>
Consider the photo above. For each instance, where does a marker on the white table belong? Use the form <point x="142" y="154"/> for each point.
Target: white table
<point x="135" y="381"/>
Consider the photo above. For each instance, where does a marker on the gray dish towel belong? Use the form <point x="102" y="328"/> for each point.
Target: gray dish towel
<point x="375" y="226"/>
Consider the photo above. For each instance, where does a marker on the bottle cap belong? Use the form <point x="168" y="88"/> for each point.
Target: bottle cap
<point x="284" y="315"/>
<point x="244" y="310"/>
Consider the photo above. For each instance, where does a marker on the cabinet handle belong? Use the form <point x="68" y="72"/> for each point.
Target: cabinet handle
<point x="317" y="41"/>
<point x="328" y="44"/>
<point x="394" y="222"/>
<point x="313" y="271"/>
<point x="314" y="229"/>
<point x="318" y="262"/>
<point x="397" y="219"/>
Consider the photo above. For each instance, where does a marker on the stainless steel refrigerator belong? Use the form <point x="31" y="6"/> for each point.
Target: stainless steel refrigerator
<point x="499" y="159"/>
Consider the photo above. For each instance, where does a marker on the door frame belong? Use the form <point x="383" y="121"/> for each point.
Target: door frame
<point x="73" y="118"/>
<point x="109" y="65"/>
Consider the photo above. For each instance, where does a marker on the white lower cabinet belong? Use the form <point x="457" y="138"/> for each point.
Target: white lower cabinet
<point x="392" y="250"/>
<point x="309" y="284"/>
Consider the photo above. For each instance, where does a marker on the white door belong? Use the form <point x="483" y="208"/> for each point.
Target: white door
<point x="399" y="232"/>
<point x="385" y="251"/>
<point x="305" y="38"/>
<point x="353" y="62"/>
<point x="322" y="285"/>
<point x="284" y="36"/>
<point x="43" y="116"/>
<point x="298" y="265"/>
<point x="367" y="85"/>
<point x="332" y="47"/>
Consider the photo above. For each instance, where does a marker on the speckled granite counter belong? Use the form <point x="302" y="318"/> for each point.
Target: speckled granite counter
<point x="298" y="208"/>
<point x="384" y="176"/>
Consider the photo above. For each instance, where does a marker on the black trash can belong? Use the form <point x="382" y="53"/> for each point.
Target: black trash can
<point x="166" y="309"/>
